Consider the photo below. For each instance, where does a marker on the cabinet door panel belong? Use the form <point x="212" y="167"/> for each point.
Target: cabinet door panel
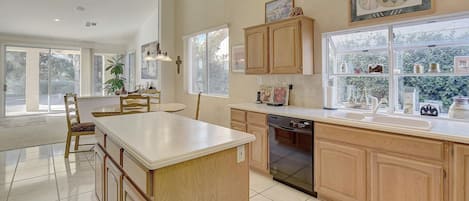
<point x="460" y="191"/>
<point x="340" y="171"/>
<point x="400" y="179"/>
<point x="257" y="56"/>
<point x="113" y="182"/>
<point x="259" y="148"/>
<point x="130" y="192"/>
<point x="285" y="48"/>
<point x="99" y="162"/>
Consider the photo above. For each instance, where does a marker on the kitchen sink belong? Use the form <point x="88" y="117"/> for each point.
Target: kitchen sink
<point x="386" y="120"/>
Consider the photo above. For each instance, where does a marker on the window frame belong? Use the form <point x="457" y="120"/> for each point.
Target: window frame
<point x="392" y="76"/>
<point x="188" y="63"/>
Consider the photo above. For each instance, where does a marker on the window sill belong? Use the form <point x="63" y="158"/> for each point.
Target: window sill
<point x="211" y="95"/>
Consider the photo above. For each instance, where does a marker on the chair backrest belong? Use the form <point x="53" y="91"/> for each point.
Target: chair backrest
<point x="71" y="109"/>
<point x="134" y="104"/>
<point x="197" y="109"/>
<point x="155" y="95"/>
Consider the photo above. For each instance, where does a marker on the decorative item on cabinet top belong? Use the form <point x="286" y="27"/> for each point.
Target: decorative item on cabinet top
<point x="278" y="9"/>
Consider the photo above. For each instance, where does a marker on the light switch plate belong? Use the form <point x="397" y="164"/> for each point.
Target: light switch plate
<point x="241" y="154"/>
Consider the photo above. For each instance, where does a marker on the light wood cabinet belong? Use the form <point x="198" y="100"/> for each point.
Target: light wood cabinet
<point x="113" y="182"/>
<point x="283" y="47"/>
<point x="460" y="173"/>
<point x="258" y="154"/>
<point x="354" y="164"/>
<point x="99" y="164"/>
<point x="130" y="193"/>
<point x="340" y="171"/>
<point x="399" y="179"/>
<point x="257" y="50"/>
<point x="255" y="124"/>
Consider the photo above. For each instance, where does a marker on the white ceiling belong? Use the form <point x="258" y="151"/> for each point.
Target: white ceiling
<point x="117" y="20"/>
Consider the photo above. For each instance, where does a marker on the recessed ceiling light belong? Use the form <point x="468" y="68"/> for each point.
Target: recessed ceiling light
<point x="80" y="8"/>
<point x="57" y="20"/>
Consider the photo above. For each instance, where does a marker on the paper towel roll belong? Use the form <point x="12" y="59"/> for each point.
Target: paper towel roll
<point x="330" y="98"/>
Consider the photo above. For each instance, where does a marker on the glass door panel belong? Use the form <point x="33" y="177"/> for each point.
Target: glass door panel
<point x="38" y="78"/>
<point x="15" y="80"/>
<point x="64" y="76"/>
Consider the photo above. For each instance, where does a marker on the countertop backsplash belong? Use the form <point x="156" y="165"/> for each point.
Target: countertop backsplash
<point x="307" y="90"/>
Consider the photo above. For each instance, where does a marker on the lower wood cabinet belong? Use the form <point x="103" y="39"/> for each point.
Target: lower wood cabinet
<point x="460" y="173"/>
<point x="99" y="164"/>
<point x="361" y="165"/>
<point x="340" y="171"/>
<point x="396" y="178"/>
<point x="130" y="192"/>
<point x="113" y="181"/>
<point x="259" y="153"/>
<point x="256" y="124"/>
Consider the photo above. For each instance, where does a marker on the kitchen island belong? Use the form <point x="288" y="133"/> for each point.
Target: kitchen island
<point x="165" y="157"/>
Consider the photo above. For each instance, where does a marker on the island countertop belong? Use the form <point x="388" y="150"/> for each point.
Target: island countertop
<point x="160" y="139"/>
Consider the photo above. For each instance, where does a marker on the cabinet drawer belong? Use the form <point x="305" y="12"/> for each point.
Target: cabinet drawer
<point x="412" y="146"/>
<point x="130" y="192"/>
<point x="141" y="176"/>
<point x="114" y="151"/>
<point x="238" y="115"/>
<point x="238" y="126"/>
<point x="100" y="138"/>
<point x="257" y="118"/>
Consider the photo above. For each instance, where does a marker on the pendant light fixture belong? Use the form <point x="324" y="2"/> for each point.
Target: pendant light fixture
<point x="159" y="55"/>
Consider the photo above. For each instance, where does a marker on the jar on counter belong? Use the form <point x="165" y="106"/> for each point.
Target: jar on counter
<point x="460" y="108"/>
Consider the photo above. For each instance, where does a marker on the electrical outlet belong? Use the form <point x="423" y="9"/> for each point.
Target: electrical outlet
<point x="241" y="154"/>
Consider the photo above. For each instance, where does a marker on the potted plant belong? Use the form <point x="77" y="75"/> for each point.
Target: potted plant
<point x="116" y="68"/>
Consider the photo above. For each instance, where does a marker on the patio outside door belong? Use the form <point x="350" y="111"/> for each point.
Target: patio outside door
<point x="37" y="79"/>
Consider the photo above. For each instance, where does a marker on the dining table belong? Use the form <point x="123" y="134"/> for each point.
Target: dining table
<point x="111" y="110"/>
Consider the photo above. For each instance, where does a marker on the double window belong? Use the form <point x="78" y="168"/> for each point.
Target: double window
<point x="207" y="55"/>
<point x="405" y="65"/>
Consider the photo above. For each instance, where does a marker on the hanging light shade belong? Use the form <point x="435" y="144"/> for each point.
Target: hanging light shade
<point x="158" y="55"/>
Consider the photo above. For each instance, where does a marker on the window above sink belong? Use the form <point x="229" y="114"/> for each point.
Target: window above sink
<point x="407" y="65"/>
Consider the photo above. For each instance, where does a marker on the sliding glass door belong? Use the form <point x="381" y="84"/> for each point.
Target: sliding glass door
<point x="38" y="78"/>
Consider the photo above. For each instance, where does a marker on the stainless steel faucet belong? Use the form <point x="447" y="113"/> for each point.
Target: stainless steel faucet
<point x="375" y="103"/>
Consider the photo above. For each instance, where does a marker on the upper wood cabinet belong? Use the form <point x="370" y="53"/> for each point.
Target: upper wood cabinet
<point x="257" y="50"/>
<point x="283" y="47"/>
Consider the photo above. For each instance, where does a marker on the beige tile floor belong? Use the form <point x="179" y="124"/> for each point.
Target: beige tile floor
<point x="42" y="174"/>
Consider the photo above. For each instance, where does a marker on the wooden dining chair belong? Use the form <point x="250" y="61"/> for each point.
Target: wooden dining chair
<point x="75" y="127"/>
<point x="155" y="95"/>
<point x="197" y="109"/>
<point x="134" y="104"/>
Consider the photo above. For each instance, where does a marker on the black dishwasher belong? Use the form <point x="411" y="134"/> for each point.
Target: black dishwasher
<point x="291" y="152"/>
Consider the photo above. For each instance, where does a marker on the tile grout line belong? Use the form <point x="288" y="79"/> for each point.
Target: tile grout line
<point x="14" y="174"/>
<point x="55" y="172"/>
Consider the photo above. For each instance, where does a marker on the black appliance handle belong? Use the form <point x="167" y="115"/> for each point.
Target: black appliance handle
<point x="302" y="131"/>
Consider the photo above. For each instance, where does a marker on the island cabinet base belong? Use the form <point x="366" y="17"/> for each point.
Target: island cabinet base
<point x="215" y="177"/>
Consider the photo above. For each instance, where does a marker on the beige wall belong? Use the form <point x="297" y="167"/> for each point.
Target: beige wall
<point x="196" y="15"/>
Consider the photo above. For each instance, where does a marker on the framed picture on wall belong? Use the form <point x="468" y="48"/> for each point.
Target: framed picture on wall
<point x="238" y="61"/>
<point x="149" y="70"/>
<point x="361" y="10"/>
<point x="278" y="9"/>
